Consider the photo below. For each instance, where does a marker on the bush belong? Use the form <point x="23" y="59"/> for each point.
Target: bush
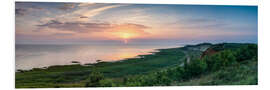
<point x="236" y="75"/>
<point x="194" y="68"/>
<point x="247" y="52"/>
<point x="152" y="79"/>
<point x="133" y="81"/>
<point x="106" y="83"/>
<point x="220" y="60"/>
<point x="176" y="73"/>
<point x="94" y="79"/>
<point x="162" y="78"/>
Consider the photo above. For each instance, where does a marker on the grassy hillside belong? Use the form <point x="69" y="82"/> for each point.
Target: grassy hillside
<point x="243" y="74"/>
<point x="233" y="64"/>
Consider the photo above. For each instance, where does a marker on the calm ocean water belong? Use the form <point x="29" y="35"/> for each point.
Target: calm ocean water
<point x="37" y="56"/>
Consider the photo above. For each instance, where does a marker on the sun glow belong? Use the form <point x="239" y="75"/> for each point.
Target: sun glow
<point x="126" y="36"/>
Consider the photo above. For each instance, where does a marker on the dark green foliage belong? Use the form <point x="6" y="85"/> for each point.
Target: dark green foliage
<point x="106" y="83"/>
<point x="218" y="47"/>
<point x="94" y="79"/>
<point x="194" y="68"/>
<point x="205" y="43"/>
<point x="75" y="62"/>
<point x="161" y="78"/>
<point x="220" y="60"/>
<point x="247" y="52"/>
<point x="231" y="67"/>
<point x="176" y="73"/>
<point x="243" y="74"/>
<point x="224" y="66"/>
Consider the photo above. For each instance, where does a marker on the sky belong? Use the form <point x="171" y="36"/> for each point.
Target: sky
<point x="90" y="23"/>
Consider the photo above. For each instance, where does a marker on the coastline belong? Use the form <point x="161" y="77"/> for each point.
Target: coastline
<point x="99" y="60"/>
<point x="36" y="56"/>
<point x="186" y="47"/>
<point x="76" y="75"/>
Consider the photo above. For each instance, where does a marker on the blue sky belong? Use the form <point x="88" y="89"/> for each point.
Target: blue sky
<point x="40" y="22"/>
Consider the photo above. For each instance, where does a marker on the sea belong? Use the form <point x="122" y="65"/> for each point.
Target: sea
<point x="28" y="56"/>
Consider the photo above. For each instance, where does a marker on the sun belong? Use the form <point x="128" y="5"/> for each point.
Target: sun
<point x="126" y="36"/>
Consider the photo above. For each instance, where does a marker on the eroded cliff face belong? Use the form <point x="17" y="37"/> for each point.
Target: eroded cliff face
<point x="212" y="50"/>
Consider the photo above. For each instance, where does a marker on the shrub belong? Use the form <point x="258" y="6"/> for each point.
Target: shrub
<point x="220" y="60"/>
<point x="162" y="78"/>
<point x="106" y="83"/>
<point x="195" y="68"/>
<point x="152" y="79"/>
<point x="247" y="52"/>
<point x="94" y="79"/>
<point x="176" y="73"/>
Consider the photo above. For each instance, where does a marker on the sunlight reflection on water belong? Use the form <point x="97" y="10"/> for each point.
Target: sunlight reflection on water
<point x="37" y="56"/>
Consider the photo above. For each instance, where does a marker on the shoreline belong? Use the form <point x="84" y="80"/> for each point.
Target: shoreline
<point x="156" y="50"/>
<point x="190" y="46"/>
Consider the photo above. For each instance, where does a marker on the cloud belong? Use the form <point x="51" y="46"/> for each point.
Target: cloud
<point x="62" y="34"/>
<point x="138" y="26"/>
<point x="93" y="12"/>
<point x="74" y="26"/>
<point x="51" y="23"/>
<point x="203" y="23"/>
<point x="27" y="10"/>
<point x="86" y="4"/>
<point x="20" y="11"/>
<point x="83" y="17"/>
<point x="82" y="13"/>
<point x="215" y="26"/>
<point x="67" y="6"/>
<point x="82" y="27"/>
<point x="35" y="8"/>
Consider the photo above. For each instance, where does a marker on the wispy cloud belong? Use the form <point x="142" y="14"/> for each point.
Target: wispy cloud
<point x="86" y="4"/>
<point x="83" y="17"/>
<point x="82" y="12"/>
<point x="90" y="13"/>
<point x="67" y="6"/>
<point x="20" y="11"/>
<point x="83" y="27"/>
<point x="26" y="8"/>
<point x="199" y="24"/>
